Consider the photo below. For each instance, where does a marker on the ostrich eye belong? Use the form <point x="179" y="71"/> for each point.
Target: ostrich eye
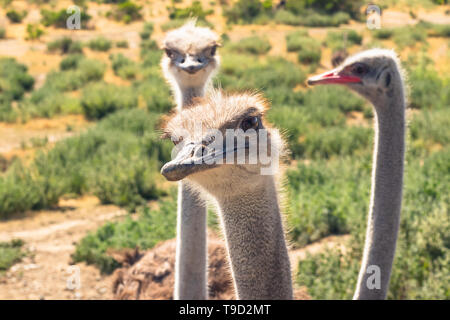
<point x="360" y="69"/>
<point x="169" y="53"/>
<point x="213" y="50"/>
<point x="250" y="123"/>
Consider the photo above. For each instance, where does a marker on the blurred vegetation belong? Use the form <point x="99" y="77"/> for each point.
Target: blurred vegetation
<point x="58" y="19"/>
<point x="15" y="16"/>
<point x="10" y="253"/>
<point x="252" y="45"/>
<point x="313" y="13"/>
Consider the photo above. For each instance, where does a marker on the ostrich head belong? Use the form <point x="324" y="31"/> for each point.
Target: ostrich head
<point x="190" y="57"/>
<point x="223" y="142"/>
<point x="375" y="74"/>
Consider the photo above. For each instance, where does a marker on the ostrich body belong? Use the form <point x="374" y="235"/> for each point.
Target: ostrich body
<point x="377" y="75"/>
<point x="188" y="65"/>
<point x="247" y="200"/>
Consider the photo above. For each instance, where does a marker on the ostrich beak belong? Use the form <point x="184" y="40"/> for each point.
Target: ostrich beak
<point x="191" y="65"/>
<point x="332" y="77"/>
<point x="190" y="159"/>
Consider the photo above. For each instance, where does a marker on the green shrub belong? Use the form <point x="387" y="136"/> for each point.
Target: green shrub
<point x="87" y="70"/>
<point x="383" y="33"/>
<point x="294" y="40"/>
<point x="101" y="99"/>
<point x="287" y="17"/>
<point x="10" y="253"/>
<point x="123" y="67"/>
<point x="100" y="44"/>
<point x="243" y="72"/>
<point x="126" y="11"/>
<point x="65" y="45"/>
<point x="15" y="16"/>
<point x="2" y="32"/>
<point x="176" y="23"/>
<point x="122" y="44"/>
<point x="58" y="19"/>
<point x="151" y="227"/>
<point x="155" y="93"/>
<point x="252" y="45"/>
<point x="14" y="80"/>
<point x="147" y="30"/>
<point x="151" y="57"/>
<point x="71" y="62"/>
<point x="423" y="249"/>
<point x="195" y="10"/>
<point x="342" y="39"/>
<point x="428" y="90"/>
<point x="244" y="11"/>
<point x="409" y="37"/>
<point x="148" y="45"/>
<point x="34" y="32"/>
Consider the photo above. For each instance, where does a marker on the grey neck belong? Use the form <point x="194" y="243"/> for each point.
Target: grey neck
<point x="386" y="199"/>
<point x="256" y="244"/>
<point x="191" y="261"/>
<point x="185" y="96"/>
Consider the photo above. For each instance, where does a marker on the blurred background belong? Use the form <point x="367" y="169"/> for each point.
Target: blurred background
<point x="80" y="151"/>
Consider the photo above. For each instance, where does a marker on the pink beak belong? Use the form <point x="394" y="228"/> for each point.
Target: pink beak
<point x="331" y="77"/>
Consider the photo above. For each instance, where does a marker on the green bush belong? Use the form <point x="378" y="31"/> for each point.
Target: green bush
<point x="15" y="16"/>
<point x="252" y="45"/>
<point x="155" y="93"/>
<point x="101" y="99"/>
<point x="383" y="33"/>
<point x="409" y="37"/>
<point x="287" y="17"/>
<point x="100" y="44"/>
<point x="420" y="268"/>
<point x="10" y="253"/>
<point x="151" y="227"/>
<point x="195" y="10"/>
<point x="2" y="32"/>
<point x="147" y="30"/>
<point x="428" y="90"/>
<point x="176" y="23"/>
<point x="14" y="80"/>
<point x="243" y="72"/>
<point x="244" y="11"/>
<point x="342" y="39"/>
<point x="126" y="11"/>
<point x="65" y="45"/>
<point x="122" y="44"/>
<point x="87" y="70"/>
<point x="58" y="19"/>
<point x="294" y="40"/>
<point x="71" y="62"/>
<point x="34" y="32"/>
<point x="123" y="67"/>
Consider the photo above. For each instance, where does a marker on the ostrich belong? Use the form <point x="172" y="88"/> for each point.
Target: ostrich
<point x="188" y="65"/>
<point x="247" y="199"/>
<point x="377" y="75"/>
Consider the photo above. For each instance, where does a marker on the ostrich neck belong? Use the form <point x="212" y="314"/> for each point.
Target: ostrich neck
<point x="191" y="251"/>
<point x="186" y="94"/>
<point x="255" y="242"/>
<point x="386" y="198"/>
